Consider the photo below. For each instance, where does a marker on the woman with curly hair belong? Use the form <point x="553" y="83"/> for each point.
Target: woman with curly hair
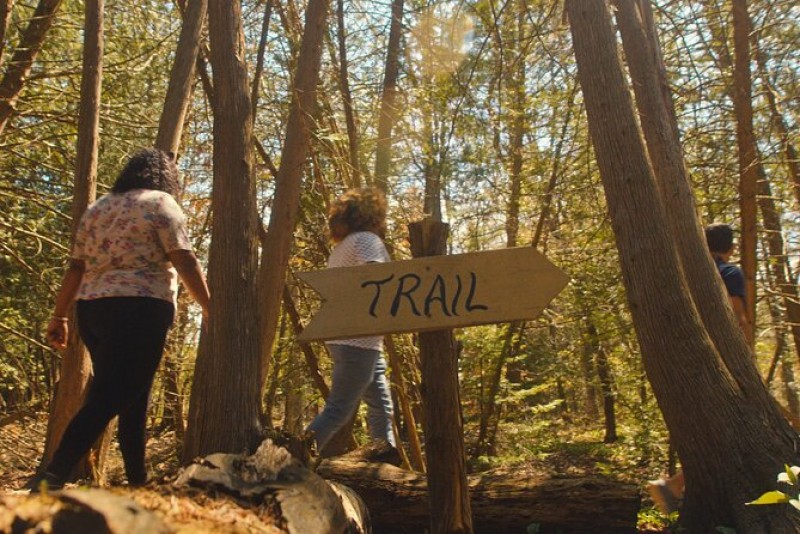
<point x="357" y="222"/>
<point x="130" y="248"/>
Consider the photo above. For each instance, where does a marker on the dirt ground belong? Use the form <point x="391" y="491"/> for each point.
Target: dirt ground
<point x="185" y="510"/>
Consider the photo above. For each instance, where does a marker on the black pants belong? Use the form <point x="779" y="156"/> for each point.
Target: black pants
<point x="125" y="337"/>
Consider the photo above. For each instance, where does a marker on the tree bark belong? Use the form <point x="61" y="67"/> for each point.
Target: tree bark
<point x="75" y="364"/>
<point x="5" y="15"/>
<point x="388" y="111"/>
<point x="444" y="435"/>
<point x="224" y="410"/>
<point x="747" y="154"/>
<point x="283" y="217"/>
<point x="347" y="98"/>
<point x="181" y="78"/>
<point x="21" y="62"/>
<point x="733" y="422"/>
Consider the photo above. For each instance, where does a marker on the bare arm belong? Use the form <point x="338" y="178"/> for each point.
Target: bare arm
<point x="737" y="303"/>
<point x="58" y="327"/>
<point x="189" y="270"/>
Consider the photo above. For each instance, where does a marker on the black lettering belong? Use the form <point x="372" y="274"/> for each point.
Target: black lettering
<point x="454" y="305"/>
<point x="403" y="292"/>
<point x="438" y="283"/>
<point x="469" y="305"/>
<point x="378" y="284"/>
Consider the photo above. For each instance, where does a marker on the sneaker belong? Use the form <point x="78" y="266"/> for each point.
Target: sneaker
<point x="664" y="499"/>
<point x="44" y="481"/>
<point x="378" y="451"/>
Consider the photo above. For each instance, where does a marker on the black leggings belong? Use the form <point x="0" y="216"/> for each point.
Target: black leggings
<point x="125" y="337"/>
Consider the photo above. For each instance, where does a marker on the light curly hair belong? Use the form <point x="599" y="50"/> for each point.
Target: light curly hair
<point x="358" y="210"/>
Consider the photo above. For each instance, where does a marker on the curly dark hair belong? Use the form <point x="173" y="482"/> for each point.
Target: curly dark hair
<point x="149" y="168"/>
<point x="362" y="209"/>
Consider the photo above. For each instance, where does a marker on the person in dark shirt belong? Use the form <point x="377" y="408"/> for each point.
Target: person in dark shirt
<point x="667" y="493"/>
<point x="719" y="237"/>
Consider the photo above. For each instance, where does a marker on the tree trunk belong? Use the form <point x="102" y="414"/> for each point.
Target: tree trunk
<point x="280" y="232"/>
<point x="388" y="111"/>
<point x="21" y="62"/>
<point x="181" y="78"/>
<point x="444" y="435"/>
<point x="224" y="410"/>
<point x="660" y="128"/>
<point x="780" y="125"/>
<point x="347" y="98"/>
<point x="606" y="383"/>
<point x="733" y="422"/>
<point x="75" y="364"/>
<point x="5" y="15"/>
<point x="255" y="91"/>
<point x="748" y="154"/>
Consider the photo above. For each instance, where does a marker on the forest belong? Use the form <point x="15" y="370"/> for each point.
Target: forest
<point x="604" y="134"/>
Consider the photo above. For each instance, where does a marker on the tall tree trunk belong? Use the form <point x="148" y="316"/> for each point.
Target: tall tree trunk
<point x="388" y="111"/>
<point x="779" y="123"/>
<point x="748" y="154"/>
<point x="21" y="62"/>
<point x="75" y="364"/>
<point x="347" y="98"/>
<point x="663" y="147"/>
<point x="778" y="260"/>
<point x="181" y="78"/>
<point x="738" y="424"/>
<point x="262" y="47"/>
<point x="283" y="217"/>
<point x="224" y="411"/>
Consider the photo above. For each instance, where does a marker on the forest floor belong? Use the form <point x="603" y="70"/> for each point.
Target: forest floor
<point x="188" y="510"/>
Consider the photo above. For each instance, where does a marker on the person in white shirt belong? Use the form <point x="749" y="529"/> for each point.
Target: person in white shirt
<point x="357" y="222"/>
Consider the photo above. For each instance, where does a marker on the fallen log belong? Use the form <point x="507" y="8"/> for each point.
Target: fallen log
<point x="517" y="501"/>
<point x="305" y="502"/>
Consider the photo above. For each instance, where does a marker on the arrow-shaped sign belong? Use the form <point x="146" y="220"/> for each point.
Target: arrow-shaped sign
<point x="432" y="293"/>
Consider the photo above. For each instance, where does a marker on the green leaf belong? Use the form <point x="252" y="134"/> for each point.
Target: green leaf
<point x="725" y="530"/>
<point x="771" y="497"/>
<point x="791" y="474"/>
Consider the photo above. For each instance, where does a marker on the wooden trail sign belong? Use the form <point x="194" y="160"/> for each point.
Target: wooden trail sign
<point x="432" y="293"/>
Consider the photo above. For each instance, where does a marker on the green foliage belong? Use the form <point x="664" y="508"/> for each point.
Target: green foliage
<point x="787" y="477"/>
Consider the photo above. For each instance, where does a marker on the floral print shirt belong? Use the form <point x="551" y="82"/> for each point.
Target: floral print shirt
<point x="124" y="239"/>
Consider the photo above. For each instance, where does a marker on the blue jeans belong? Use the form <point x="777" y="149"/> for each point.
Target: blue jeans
<point x="357" y="374"/>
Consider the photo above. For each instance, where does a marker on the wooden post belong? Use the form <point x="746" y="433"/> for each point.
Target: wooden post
<point x="444" y="440"/>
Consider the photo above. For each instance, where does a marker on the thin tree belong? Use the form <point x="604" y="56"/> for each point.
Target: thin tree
<point x="283" y="217"/>
<point x="5" y="15"/>
<point x="224" y="409"/>
<point x="75" y="364"/>
<point x="739" y="425"/>
<point x="22" y="61"/>
<point x="181" y="78"/>
<point x="388" y="110"/>
<point x="747" y="154"/>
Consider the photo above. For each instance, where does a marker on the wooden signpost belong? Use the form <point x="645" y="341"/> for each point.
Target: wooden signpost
<point x="432" y="293"/>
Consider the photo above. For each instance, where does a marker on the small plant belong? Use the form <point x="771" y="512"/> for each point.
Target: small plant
<point x="789" y="476"/>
